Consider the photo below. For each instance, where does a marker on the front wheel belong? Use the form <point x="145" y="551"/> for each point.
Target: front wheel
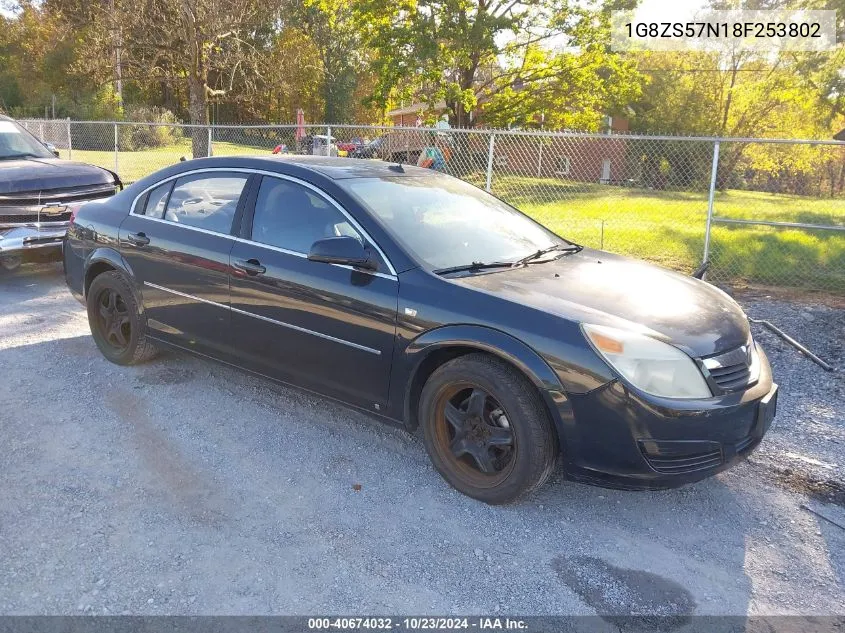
<point x="486" y="429"/>
<point x="117" y="325"/>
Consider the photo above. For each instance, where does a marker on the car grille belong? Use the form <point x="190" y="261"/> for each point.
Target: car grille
<point x="675" y="458"/>
<point x="732" y="377"/>
<point x="57" y="196"/>
<point x="31" y="218"/>
<point x="731" y="370"/>
<point x="33" y="207"/>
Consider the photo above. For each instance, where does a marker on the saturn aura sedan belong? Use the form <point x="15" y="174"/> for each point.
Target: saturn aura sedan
<point x="431" y="303"/>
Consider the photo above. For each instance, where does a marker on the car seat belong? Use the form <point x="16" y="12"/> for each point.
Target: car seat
<point x="288" y="218"/>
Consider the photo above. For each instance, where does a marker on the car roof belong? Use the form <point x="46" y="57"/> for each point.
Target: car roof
<point x="325" y="167"/>
<point x="338" y="168"/>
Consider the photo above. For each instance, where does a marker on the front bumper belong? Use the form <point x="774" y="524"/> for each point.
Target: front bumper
<point x="623" y="439"/>
<point x="23" y="240"/>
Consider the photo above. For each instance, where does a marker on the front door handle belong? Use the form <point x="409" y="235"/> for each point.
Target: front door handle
<point x="250" y="266"/>
<point x="138" y="239"/>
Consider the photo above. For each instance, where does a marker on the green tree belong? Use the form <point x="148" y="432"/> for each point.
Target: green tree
<point x="38" y="49"/>
<point x="506" y="55"/>
<point x="209" y="46"/>
<point x="728" y="95"/>
<point x="333" y="31"/>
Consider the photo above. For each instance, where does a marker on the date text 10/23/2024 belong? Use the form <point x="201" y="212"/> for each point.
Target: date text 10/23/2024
<point x="421" y="623"/>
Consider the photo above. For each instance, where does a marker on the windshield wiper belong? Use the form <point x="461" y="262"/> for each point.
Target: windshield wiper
<point x="572" y="248"/>
<point x="471" y="267"/>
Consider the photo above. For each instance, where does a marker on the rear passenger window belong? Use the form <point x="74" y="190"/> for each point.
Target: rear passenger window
<point x="156" y="201"/>
<point x="204" y="201"/>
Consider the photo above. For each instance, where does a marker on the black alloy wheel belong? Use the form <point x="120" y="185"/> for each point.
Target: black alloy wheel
<point x="114" y="324"/>
<point x="473" y="429"/>
<point x="486" y="429"/>
<point x="117" y="323"/>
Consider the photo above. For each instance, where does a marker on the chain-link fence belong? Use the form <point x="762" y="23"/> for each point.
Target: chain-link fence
<point x="761" y="211"/>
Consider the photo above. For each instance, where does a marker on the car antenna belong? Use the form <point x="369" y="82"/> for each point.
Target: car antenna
<point x="397" y="167"/>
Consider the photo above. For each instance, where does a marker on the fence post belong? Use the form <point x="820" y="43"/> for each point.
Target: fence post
<point x="540" y="159"/>
<point x="710" y="200"/>
<point x="41" y="130"/>
<point x="115" y="148"/>
<point x="490" y="162"/>
<point x="210" y="136"/>
<point x="69" y="141"/>
<point x="328" y="140"/>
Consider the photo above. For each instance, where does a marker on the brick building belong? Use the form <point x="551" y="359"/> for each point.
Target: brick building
<point x="600" y="160"/>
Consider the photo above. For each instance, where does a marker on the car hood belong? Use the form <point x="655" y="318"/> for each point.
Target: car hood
<point x="43" y="174"/>
<point x="605" y="289"/>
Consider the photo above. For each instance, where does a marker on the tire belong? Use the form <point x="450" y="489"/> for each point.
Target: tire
<point x="468" y="408"/>
<point x="10" y="263"/>
<point x="126" y="343"/>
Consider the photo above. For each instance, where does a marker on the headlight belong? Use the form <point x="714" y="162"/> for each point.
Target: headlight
<point x="754" y="366"/>
<point x="648" y="364"/>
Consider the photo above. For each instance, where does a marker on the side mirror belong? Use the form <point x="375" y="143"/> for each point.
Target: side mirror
<point x="52" y="148"/>
<point x="345" y="250"/>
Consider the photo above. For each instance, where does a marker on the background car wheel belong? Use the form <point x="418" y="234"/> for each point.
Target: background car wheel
<point x="116" y="322"/>
<point x="486" y="429"/>
<point x="10" y="262"/>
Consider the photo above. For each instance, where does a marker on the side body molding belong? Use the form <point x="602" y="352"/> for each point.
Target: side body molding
<point x="496" y="343"/>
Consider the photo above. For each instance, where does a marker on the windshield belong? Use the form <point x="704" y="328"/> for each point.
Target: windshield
<point x="445" y="222"/>
<point x="16" y="142"/>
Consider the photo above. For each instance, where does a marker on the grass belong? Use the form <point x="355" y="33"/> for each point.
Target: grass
<point x="665" y="227"/>
<point x="668" y="228"/>
<point x="133" y="166"/>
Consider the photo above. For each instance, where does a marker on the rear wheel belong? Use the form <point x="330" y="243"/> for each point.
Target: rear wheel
<point x="11" y="262"/>
<point x="117" y="325"/>
<point x="486" y="429"/>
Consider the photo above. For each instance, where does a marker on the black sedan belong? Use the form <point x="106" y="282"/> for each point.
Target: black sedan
<point x="420" y="298"/>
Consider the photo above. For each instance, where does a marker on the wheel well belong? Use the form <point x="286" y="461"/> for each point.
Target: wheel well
<point x="96" y="269"/>
<point x="443" y="355"/>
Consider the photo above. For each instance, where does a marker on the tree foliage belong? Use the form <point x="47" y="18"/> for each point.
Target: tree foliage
<point x="733" y="95"/>
<point x="499" y="63"/>
<point x="516" y="61"/>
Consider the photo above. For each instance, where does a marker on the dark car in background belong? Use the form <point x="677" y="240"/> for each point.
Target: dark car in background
<point x="420" y="298"/>
<point x="37" y="194"/>
<point x="372" y="149"/>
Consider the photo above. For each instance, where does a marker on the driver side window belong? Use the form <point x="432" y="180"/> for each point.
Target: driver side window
<point x="290" y="216"/>
<point x="206" y="201"/>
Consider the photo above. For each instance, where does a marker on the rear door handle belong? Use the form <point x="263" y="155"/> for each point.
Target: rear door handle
<point x="250" y="266"/>
<point x="138" y="239"/>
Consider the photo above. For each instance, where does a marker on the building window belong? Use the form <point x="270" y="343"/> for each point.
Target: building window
<point x="562" y="166"/>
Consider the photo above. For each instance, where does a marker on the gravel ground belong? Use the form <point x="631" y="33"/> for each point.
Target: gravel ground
<point x="807" y="443"/>
<point x="185" y="487"/>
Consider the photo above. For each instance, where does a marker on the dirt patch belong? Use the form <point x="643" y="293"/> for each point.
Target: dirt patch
<point x="794" y="295"/>
<point x="186" y="490"/>
<point x="826" y="491"/>
<point x="616" y="593"/>
<point x="155" y="376"/>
